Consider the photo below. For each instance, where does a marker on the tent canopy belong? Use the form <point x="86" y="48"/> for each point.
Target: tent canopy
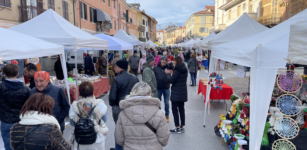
<point x="115" y="43"/>
<point x="121" y="34"/>
<point x="150" y="44"/>
<point x="264" y="53"/>
<point x="243" y="27"/>
<point x="298" y="43"/>
<point x="190" y="43"/>
<point x="158" y="44"/>
<point x="15" y="45"/>
<point x="51" y="27"/>
<point x="199" y="43"/>
<point x="131" y="35"/>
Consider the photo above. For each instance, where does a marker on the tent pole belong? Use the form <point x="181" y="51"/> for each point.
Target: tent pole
<point x="76" y="73"/>
<point x="64" y="68"/>
<point x="208" y="92"/>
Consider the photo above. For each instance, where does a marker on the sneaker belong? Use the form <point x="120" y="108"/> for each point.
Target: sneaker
<point x="182" y="129"/>
<point x="175" y="130"/>
<point x="167" y="118"/>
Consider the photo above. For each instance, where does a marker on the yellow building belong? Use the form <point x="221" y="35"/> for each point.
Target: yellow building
<point x="199" y="23"/>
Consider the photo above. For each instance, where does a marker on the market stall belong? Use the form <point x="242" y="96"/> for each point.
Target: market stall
<point x="121" y="34"/>
<point x="256" y="51"/>
<point x="199" y="44"/>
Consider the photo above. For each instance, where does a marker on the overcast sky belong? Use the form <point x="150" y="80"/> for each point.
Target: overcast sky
<point x="172" y="10"/>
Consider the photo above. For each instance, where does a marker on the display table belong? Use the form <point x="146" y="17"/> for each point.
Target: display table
<point x="215" y="94"/>
<point x="101" y="86"/>
<point x="205" y="63"/>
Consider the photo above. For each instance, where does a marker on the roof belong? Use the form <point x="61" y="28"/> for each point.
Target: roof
<point x="204" y="12"/>
<point x="160" y="31"/>
<point x="210" y="7"/>
<point x="181" y="28"/>
<point x="225" y="4"/>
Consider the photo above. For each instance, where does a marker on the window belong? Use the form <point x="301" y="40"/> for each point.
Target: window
<point x="150" y="35"/>
<point x="114" y="24"/>
<point x="127" y="30"/>
<point x="229" y="15"/>
<point x="92" y="14"/>
<point x="109" y="3"/>
<point x="250" y="6"/>
<point x="203" y="19"/>
<point x="104" y="1"/>
<point x="50" y="4"/>
<point x="143" y="22"/>
<point x="65" y="10"/>
<point x="239" y="11"/>
<point x="83" y="11"/>
<point x="244" y="6"/>
<point x="114" y="5"/>
<point x="203" y="29"/>
<point x="119" y="25"/>
<point x="7" y="3"/>
<point x="146" y="23"/>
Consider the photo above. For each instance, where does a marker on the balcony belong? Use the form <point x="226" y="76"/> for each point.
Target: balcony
<point x="28" y="12"/>
<point x="142" y="39"/>
<point x="141" y="28"/>
<point x="103" y="27"/>
<point x="123" y="16"/>
<point x="270" y="20"/>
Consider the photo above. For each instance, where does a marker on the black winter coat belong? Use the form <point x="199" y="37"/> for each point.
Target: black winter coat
<point x="120" y="88"/>
<point x="88" y="65"/>
<point x="44" y="137"/>
<point x="58" y="69"/>
<point x="13" y="95"/>
<point x="179" y="91"/>
<point x="161" y="77"/>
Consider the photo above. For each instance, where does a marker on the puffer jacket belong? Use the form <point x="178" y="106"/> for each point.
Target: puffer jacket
<point x="150" y="78"/>
<point x="44" y="137"/>
<point x="12" y="97"/>
<point x="193" y="65"/>
<point x="120" y="88"/>
<point x="134" y="62"/>
<point x="162" y="81"/>
<point x="179" y="91"/>
<point x="131" y="131"/>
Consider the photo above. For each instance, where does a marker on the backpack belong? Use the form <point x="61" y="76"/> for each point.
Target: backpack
<point x="84" y="130"/>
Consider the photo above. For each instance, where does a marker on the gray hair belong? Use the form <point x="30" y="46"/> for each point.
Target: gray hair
<point x="140" y="89"/>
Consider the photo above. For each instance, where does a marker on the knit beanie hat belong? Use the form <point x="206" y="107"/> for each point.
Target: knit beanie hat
<point x="135" y="52"/>
<point x="122" y="64"/>
<point x="42" y="74"/>
<point x="149" y="58"/>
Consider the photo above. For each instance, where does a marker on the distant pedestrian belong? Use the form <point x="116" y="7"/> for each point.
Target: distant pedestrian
<point x="142" y="61"/>
<point x="179" y="93"/>
<point x="134" y="63"/>
<point x="157" y="59"/>
<point x="148" y="130"/>
<point x="29" y="71"/>
<point x="149" y="75"/>
<point x="120" y="88"/>
<point x="117" y="58"/>
<point x="59" y="70"/>
<point x="13" y="95"/>
<point x="43" y="85"/>
<point x="170" y="56"/>
<point x="176" y="52"/>
<point x="88" y="64"/>
<point x="103" y="64"/>
<point x="188" y="55"/>
<point x="193" y="66"/>
<point x="38" y="129"/>
<point x="81" y="108"/>
<point x="162" y="84"/>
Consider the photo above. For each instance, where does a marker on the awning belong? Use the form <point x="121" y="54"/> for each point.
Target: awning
<point x="102" y="16"/>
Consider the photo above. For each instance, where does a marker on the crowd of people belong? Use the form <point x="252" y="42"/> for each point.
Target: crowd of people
<point x="32" y="117"/>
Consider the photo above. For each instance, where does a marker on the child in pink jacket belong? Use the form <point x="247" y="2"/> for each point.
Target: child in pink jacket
<point x="157" y="59"/>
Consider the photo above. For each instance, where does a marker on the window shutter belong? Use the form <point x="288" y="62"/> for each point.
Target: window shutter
<point x="95" y="15"/>
<point x="85" y="11"/>
<point x="63" y="8"/>
<point x="53" y="4"/>
<point x="67" y="11"/>
<point x="206" y="29"/>
<point x="80" y="7"/>
<point x="91" y="14"/>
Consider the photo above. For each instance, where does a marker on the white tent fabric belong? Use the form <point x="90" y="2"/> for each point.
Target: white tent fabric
<point x="15" y="45"/>
<point x="264" y="53"/>
<point x="298" y="43"/>
<point x="150" y="44"/>
<point x="121" y="34"/>
<point x="204" y="42"/>
<point x="115" y="43"/>
<point x="243" y="27"/>
<point x="200" y="43"/>
<point x="51" y="27"/>
<point x="189" y="43"/>
<point x="131" y="35"/>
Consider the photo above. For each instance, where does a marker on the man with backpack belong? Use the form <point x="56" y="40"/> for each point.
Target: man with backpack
<point x="120" y="88"/>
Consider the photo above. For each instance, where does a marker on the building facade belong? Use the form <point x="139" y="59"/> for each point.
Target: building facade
<point x="180" y="34"/>
<point x="170" y="32"/>
<point x="199" y="23"/>
<point x="160" y="37"/>
<point x="132" y="22"/>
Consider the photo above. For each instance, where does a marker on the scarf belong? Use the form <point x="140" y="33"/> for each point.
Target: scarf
<point x="33" y="118"/>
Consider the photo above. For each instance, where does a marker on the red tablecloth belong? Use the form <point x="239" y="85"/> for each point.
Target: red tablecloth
<point x="101" y="86"/>
<point x="216" y="94"/>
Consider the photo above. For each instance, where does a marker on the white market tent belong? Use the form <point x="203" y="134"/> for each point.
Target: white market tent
<point x="131" y="35"/>
<point x="298" y="43"/>
<point x="115" y="43"/>
<point x="189" y="43"/>
<point x="16" y="45"/>
<point x="150" y="44"/>
<point x="52" y="27"/>
<point x="264" y="53"/>
<point x="199" y="43"/>
<point x="121" y="34"/>
<point x="243" y="27"/>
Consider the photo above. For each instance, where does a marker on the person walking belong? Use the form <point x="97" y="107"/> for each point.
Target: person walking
<point x="142" y="61"/>
<point x="113" y="63"/>
<point x="148" y="130"/>
<point x="176" y="52"/>
<point x="170" y="56"/>
<point x="120" y="88"/>
<point x="43" y="85"/>
<point x="157" y="59"/>
<point x="163" y="84"/>
<point x="13" y="94"/>
<point x="29" y="71"/>
<point x="59" y="70"/>
<point x="193" y="66"/>
<point x="188" y="55"/>
<point x="81" y="108"/>
<point x="134" y="63"/>
<point x="88" y="64"/>
<point x="102" y="65"/>
<point x="149" y="75"/>
<point x="179" y="93"/>
<point x="37" y="128"/>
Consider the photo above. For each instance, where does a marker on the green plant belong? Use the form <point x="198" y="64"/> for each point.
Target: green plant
<point x="233" y="98"/>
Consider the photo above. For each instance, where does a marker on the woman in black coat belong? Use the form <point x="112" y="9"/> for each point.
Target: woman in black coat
<point x="179" y="92"/>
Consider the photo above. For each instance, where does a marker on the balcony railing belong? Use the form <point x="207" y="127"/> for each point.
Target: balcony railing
<point x="28" y="12"/>
<point x="272" y="19"/>
<point x="141" y="28"/>
<point x="103" y="27"/>
<point x="142" y="39"/>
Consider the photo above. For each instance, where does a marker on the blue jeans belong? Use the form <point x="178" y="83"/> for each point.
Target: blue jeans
<point x="5" y="133"/>
<point x="118" y="147"/>
<point x="165" y="93"/>
<point x="193" y="78"/>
